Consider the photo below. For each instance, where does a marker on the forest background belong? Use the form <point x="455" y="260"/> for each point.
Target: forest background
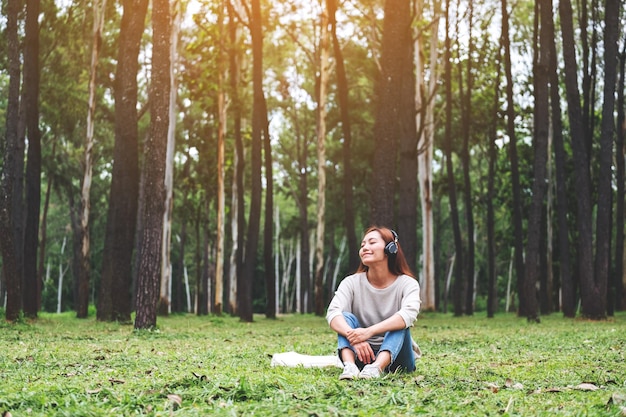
<point x="225" y="156"/>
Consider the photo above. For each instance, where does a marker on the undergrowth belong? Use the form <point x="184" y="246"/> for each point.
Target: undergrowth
<point x="196" y="366"/>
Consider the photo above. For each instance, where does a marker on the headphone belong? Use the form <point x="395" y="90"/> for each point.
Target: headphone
<point x="392" y="247"/>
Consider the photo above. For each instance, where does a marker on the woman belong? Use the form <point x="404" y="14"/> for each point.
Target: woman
<point x="373" y="309"/>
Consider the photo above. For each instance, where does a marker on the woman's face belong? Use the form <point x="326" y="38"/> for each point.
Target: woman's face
<point x="372" y="248"/>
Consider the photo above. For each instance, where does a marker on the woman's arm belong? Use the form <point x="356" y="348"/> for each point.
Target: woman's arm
<point x="361" y="334"/>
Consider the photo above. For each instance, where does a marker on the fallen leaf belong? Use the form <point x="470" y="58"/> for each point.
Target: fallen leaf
<point x="93" y="391"/>
<point x="175" y="399"/>
<point x="493" y="387"/>
<point x="586" y="387"/>
<point x="116" y="381"/>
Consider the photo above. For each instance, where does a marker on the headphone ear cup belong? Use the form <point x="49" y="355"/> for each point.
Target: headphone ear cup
<point x="391" y="248"/>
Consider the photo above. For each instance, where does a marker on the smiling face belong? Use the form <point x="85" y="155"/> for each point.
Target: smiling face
<point x="372" y="249"/>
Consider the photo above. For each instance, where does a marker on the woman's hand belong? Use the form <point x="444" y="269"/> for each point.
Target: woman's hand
<point x="358" y="335"/>
<point x="364" y="352"/>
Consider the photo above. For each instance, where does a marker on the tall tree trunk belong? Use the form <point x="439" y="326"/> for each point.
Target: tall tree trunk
<point x="620" y="295"/>
<point x="114" y="298"/>
<point x="149" y="274"/>
<point x="540" y="144"/>
<point x="221" y="199"/>
<point x="246" y="279"/>
<point x="515" y="176"/>
<point x="454" y="210"/>
<point x="579" y="148"/>
<point x="268" y="233"/>
<point x="165" y="298"/>
<point x="9" y="151"/>
<point x="344" y="107"/>
<point x="425" y="122"/>
<point x="320" y="116"/>
<point x="396" y="47"/>
<point x="594" y="299"/>
<point x="560" y="159"/>
<point x="407" y="169"/>
<point x="44" y="222"/>
<point x="238" y="221"/>
<point x="492" y="277"/>
<point x="32" y="286"/>
<point x="82" y="275"/>
<point x="466" y="117"/>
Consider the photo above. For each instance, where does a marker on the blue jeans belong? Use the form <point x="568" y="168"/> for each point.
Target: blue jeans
<point x="397" y="343"/>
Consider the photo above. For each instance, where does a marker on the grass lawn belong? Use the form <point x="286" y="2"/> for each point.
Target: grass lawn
<point x="198" y="366"/>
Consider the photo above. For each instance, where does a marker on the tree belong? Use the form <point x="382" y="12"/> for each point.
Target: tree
<point x="221" y="199"/>
<point x="618" y="276"/>
<point x="246" y="279"/>
<point x="149" y="274"/>
<point x="466" y="117"/>
<point x="579" y="148"/>
<point x="395" y="56"/>
<point x="513" y="159"/>
<point x="32" y="286"/>
<point x="84" y="269"/>
<point x="451" y="182"/>
<point x="114" y="298"/>
<point x="344" y="106"/>
<point x="594" y="289"/>
<point x="425" y="121"/>
<point x="320" y="116"/>
<point x="8" y="170"/>
<point x="238" y="221"/>
<point x="540" y="145"/>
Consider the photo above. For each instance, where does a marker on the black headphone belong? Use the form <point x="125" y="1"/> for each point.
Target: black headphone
<point x="392" y="247"/>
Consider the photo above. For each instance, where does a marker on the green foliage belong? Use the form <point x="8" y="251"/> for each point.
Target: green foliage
<point x="191" y="366"/>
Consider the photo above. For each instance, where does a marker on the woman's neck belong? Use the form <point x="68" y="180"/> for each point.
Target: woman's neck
<point x="380" y="277"/>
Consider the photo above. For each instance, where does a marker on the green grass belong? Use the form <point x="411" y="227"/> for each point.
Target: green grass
<point x="198" y="366"/>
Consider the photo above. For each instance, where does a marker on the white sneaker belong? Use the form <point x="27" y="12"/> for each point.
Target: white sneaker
<point x="350" y="371"/>
<point x="370" y="371"/>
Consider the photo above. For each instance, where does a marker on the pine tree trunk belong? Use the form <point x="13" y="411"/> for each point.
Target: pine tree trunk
<point x="246" y="279"/>
<point x="540" y="145"/>
<point x="9" y="150"/>
<point x="579" y="148"/>
<point x="320" y="115"/>
<point x="344" y="107"/>
<point x="454" y="210"/>
<point x="618" y="276"/>
<point x="594" y="302"/>
<point x="32" y="286"/>
<point x="114" y="298"/>
<point x="513" y="158"/>
<point x="149" y="273"/>
<point x="221" y="199"/>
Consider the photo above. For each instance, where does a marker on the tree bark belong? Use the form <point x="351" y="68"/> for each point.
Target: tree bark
<point x="579" y="148"/>
<point x="149" y="274"/>
<point x="114" y="298"/>
<point x="594" y="294"/>
<point x="83" y="273"/>
<point x="9" y="151"/>
<point x="246" y="279"/>
<point x="238" y="221"/>
<point x="560" y="160"/>
<point x="221" y="199"/>
<point x="32" y="286"/>
<point x="320" y="117"/>
<point x="540" y="144"/>
<point x="395" y="56"/>
<point x="454" y="210"/>
<point x="620" y="295"/>
<point x="515" y="176"/>
<point x="466" y="118"/>
<point x="344" y="107"/>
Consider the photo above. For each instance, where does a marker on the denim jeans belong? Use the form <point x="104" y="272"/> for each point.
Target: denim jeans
<point x="397" y="343"/>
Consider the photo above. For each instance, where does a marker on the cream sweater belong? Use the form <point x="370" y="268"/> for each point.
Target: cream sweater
<point x="372" y="305"/>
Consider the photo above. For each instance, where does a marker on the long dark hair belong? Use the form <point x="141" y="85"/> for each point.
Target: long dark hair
<point x="397" y="263"/>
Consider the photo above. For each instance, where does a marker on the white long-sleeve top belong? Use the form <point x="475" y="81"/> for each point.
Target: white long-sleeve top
<point x="372" y="305"/>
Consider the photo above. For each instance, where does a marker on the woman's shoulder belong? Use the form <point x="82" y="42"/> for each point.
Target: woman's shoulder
<point x="408" y="281"/>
